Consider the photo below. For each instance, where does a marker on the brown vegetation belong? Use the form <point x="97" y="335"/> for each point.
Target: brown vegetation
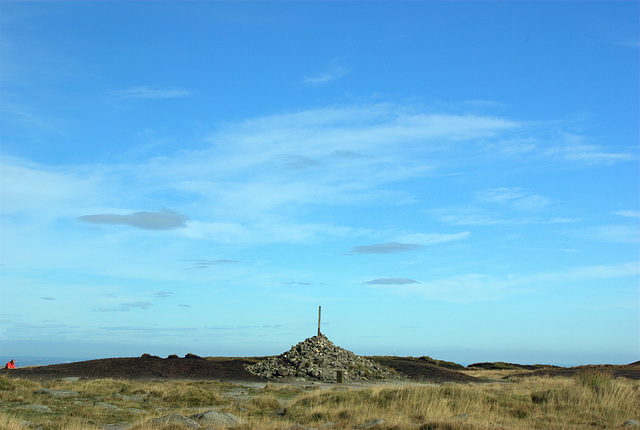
<point x="593" y="399"/>
<point x="146" y="367"/>
<point x="576" y="398"/>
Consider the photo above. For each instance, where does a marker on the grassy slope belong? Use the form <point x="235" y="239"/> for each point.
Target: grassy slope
<point x="594" y="399"/>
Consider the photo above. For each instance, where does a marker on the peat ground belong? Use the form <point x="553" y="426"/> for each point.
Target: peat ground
<point x="144" y="368"/>
<point x="232" y="369"/>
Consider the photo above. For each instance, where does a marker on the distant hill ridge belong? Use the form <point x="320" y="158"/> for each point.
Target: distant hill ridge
<point x="500" y="365"/>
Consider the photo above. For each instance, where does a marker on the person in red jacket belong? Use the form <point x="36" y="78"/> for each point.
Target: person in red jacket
<point x="10" y="365"/>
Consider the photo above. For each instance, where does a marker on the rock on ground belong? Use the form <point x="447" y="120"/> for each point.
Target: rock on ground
<point x="116" y="426"/>
<point x="178" y="419"/>
<point x="371" y="424"/>
<point x="133" y="398"/>
<point x="42" y="409"/>
<point x="197" y="421"/>
<point x="213" y="418"/>
<point x="57" y="393"/>
<point x="319" y="359"/>
<point x="104" y="405"/>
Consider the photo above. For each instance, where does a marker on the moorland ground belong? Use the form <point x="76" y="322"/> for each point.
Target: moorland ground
<point x="127" y="393"/>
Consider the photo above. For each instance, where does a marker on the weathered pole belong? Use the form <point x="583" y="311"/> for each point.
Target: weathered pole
<point x="319" y="311"/>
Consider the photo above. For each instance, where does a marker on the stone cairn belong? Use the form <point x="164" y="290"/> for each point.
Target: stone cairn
<point x="317" y="358"/>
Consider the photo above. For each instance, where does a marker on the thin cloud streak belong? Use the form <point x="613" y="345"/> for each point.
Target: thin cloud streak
<point x="610" y="233"/>
<point x="590" y="154"/>
<point x="127" y="307"/>
<point x="144" y="92"/>
<point x="305" y="284"/>
<point x="205" y="264"/>
<point x="163" y="294"/>
<point x="628" y="213"/>
<point x="165" y="219"/>
<point x="504" y="205"/>
<point x="392" y="281"/>
<point x="513" y="196"/>
<point x="385" y="248"/>
<point x="431" y="239"/>
<point x="334" y="73"/>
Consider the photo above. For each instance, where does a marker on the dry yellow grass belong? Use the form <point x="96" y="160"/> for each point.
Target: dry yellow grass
<point x="490" y="373"/>
<point x="587" y="401"/>
<point x="532" y="403"/>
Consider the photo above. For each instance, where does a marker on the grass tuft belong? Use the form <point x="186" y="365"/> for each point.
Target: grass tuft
<point x="596" y="380"/>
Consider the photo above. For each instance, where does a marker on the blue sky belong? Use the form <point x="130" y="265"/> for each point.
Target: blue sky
<point x="452" y="179"/>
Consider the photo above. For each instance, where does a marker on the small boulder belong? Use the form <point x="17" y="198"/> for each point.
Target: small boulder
<point x="371" y="424"/>
<point x="58" y="393"/>
<point x="631" y="423"/>
<point x="124" y="398"/>
<point x="104" y="405"/>
<point x="213" y="418"/>
<point x="116" y="426"/>
<point x="42" y="409"/>
<point x="177" y="419"/>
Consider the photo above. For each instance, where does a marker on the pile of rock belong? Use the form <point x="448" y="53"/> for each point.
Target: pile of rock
<point x="317" y="358"/>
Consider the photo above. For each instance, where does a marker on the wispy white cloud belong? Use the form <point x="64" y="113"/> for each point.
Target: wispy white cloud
<point x="504" y="205"/>
<point x="384" y="248"/>
<point x="464" y="216"/>
<point x="332" y="73"/>
<point x="305" y="284"/>
<point x="428" y="239"/>
<point x="635" y="44"/>
<point x="175" y="336"/>
<point x="268" y="231"/>
<point x="392" y="281"/>
<point x="591" y="154"/>
<point x="144" y="92"/>
<point x="585" y="273"/>
<point x="33" y="189"/>
<point x="248" y="185"/>
<point x="205" y="264"/>
<point x="577" y="149"/>
<point x="126" y="307"/>
<point x="610" y="233"/>
<point x="473" y="287"/>
<point x="628" y="213"/>
<point x="483" y="104"/>
<point x="340" y="155"/>
<point x="560" y="147"/>
<point x="513" y="196"/>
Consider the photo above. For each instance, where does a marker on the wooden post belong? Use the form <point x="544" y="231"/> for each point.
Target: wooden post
<point x="319" y="311"/>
